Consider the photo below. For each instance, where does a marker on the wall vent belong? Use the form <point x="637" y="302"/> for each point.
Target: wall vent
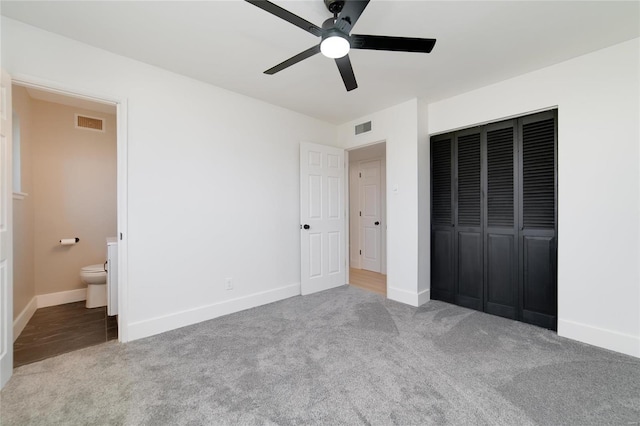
<point x="89" y="123"/>
<point x="363" y="128"/>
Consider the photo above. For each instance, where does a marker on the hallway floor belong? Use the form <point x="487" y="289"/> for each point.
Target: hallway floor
<point x="64" y="328"/>
<point x="368" y="280"/>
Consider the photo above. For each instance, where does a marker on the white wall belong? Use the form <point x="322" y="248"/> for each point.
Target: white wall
<point x="212" y="181"/>
<point x="398" y="126"/>
<point x="24" y="281"/>
<point x="597" y="96"/>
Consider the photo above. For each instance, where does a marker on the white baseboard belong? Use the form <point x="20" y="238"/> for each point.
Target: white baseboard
<point x="408" y="297"/>
<point x="612" y="340"/>
<point x="424" y="296"/>
<point x="150" y="327"/>
<point x="61" y="297"/>
<point x="21" y="320"/>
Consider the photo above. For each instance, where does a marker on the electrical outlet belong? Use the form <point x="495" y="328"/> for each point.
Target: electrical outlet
<point x="228" y="283"/>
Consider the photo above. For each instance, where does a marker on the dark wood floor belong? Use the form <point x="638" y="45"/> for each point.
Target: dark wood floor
<point x="64" y="328"/>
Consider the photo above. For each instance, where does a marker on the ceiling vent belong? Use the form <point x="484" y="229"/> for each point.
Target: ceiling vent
<point x="363" y="128"/>
<point x="89" y="123"/>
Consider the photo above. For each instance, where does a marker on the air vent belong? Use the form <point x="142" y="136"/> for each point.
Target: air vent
<point x="89" y="123"/>
<point x="363" y="128"/>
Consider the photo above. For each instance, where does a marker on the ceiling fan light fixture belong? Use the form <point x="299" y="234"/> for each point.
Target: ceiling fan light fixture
<point x="335" y="46"/>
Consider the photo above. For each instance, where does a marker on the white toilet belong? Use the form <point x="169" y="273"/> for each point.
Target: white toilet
<point x="95" y="277"/>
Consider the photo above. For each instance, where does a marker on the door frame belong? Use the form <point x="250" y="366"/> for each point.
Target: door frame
<point x="385" y="218"/>
<point x="121" y="104"/>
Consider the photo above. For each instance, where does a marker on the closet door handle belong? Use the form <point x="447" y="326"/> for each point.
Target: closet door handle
<point x="377" y="223"/>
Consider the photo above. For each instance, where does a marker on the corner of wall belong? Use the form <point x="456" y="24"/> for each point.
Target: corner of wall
<point x="407" y="297"/>
<point x="21" y="320"/>
<point x="24" y="289"/>
<point x="424" y="210"/>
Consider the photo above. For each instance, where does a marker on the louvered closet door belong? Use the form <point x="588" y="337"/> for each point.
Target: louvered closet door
<point x="501" y="260"/>
<point x="468" y="220"/>
<point x="442" y="265"/>
<point x="537" y="239"/>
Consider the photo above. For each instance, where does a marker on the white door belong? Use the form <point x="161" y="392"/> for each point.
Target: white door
<point x="6" y="208"/>
<point x="322" y="218"/>
<point x="370" y="208"/>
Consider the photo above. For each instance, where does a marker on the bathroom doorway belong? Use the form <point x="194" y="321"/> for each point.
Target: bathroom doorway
<point x="368" y="218"/>
<point x="65" y="206"/>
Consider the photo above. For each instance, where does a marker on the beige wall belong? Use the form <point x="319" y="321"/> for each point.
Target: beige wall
<point x="23" y="209"/>
<point x="74" y="179"/>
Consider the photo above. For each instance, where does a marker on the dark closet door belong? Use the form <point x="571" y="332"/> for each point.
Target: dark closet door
<point x="500" y="242"/>
<point x="468" y="220"/>
<point x="442" y="264"/>
<point x="494" y="218"/>
<point x="538" y="218"/>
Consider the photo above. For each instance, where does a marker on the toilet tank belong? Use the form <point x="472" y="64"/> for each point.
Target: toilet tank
<point x="112" y="276"/>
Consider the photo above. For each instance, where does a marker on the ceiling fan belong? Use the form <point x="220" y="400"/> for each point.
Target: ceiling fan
<point x="336" y="39"/>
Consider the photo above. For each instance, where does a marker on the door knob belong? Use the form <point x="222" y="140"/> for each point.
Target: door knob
<point x="377" y="223"/>
<point x="305" y="226"/>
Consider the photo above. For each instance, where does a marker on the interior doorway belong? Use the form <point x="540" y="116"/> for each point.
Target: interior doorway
<point x="368" y="218"/>
<point x="65" y="201"/>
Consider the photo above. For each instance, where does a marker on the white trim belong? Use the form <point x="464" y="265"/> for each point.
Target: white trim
<point x="21" y="320"/>
<point x="424" y="296"/>
<point x="496" y="120"/>
<point x="61" y="297"/>
<point x="140" y="329"/>
<point x="120" y="102"/>
<point x="122" y="235"/>
<point x="608" y="339"/>
<point x="19" y="195"/>
<point x="408" y="297"/>
<point x="30" y="81"/>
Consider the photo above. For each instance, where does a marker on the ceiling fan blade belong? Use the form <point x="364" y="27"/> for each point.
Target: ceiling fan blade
<point x="350" y="14"/>
<point x="294" y="60"/>
<point x="287" y="16"/>
<point x="396" y="44"/>
<point x="346" y="71"/>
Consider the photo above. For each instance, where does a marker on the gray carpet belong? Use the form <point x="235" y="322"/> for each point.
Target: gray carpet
<point x="344" y="356"/>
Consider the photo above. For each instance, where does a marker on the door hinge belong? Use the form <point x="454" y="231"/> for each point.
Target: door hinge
<point x="121" y="236"/>
<point x="360" y="213"/>
<point x="359" y="174"/>
<point x="360" y="252"/>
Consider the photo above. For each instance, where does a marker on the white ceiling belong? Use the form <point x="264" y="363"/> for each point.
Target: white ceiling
<point x="230" y="43"/>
